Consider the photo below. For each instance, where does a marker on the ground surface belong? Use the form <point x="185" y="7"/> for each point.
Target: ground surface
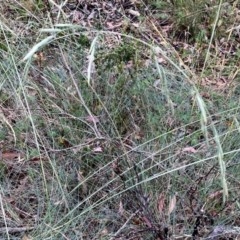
<point x="119" y="119"/>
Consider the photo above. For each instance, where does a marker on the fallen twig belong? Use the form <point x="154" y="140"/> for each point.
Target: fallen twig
<point x="15" y="229"/>
<point x="220" y="230"/>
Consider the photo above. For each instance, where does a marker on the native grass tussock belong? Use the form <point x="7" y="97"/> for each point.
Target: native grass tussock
<point x="120" y="123"/>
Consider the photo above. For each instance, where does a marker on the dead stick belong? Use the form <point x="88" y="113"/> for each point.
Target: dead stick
<point x="15" y="229"/>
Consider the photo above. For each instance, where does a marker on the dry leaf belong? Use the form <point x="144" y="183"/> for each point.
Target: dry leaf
<point x="121" y="209"/>
<point x="111" y="26"/>
<point x="136" y="25"/>
<point x="161" y="60"/>
<point x="64" y="142"/>
<point x="205" y="95"/>
<point x="134" y="13"/>
<point x="146" y="220"/>
<point x="92" y="119"/>
<point x="97" y="149"/>
<point x="59" y="203"/>
<point x="31" y="91"/>
<point x="157" y="83"/>
<point x="216" y="194"/>
<point x="172" y="204"/>
<point x="26" y="237"/>
<point x="81" y="180"/>
<point x="189" y="149"/>
<point x="104" y="232"/>
<point x="39" y="58"/>
<point x="77" y="17"/>
<point x="11" y="155"/>
<point x="116" y="168"/>
<point x="161" y="203"/>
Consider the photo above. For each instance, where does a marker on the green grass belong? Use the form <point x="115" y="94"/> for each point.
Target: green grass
<point x="115" y="143"/>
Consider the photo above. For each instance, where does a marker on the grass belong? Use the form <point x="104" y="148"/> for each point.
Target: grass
<point x="113" y="134"/>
